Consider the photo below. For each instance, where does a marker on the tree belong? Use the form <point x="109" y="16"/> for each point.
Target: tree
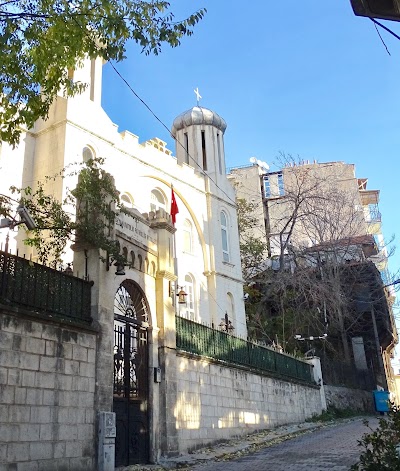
<point x="253" y="250"/>
<point x="42" y="40"/>
<point x="318" y="269"/>
<point x="94" y="205"/>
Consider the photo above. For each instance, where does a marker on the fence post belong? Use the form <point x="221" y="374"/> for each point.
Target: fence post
<point x="317" y="372"/>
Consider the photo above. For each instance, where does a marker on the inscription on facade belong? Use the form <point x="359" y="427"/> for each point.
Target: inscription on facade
<point x="136" y="230"/>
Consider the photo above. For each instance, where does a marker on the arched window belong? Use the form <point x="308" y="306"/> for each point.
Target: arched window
<point x="132" y="264"/>
<point x="190" y="298"/>
<point x="224" y="237"/>
<point x="187" y="237"/>
<point x="157" y="200"/>
<point x="127" y="200"/>
<point x="140" y="260"/>
<point x="87" y="153"/>
<point x="230" y="309"/>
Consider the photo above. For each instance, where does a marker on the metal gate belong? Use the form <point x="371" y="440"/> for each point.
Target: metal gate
<point x="131" y="375"/>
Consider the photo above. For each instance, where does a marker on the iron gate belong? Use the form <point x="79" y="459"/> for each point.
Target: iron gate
<point x="131" y="375"/>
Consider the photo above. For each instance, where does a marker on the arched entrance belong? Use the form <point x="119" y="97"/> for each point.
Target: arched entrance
<point x="131" y="382"/>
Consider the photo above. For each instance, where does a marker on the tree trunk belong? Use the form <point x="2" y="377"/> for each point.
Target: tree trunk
<point x="343" y="336"/>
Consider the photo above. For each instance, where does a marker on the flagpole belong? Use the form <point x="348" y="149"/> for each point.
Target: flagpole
<point x="175" y="259"/>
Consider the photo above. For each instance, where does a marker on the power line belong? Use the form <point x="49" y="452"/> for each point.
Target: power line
<point x="152" y="112"/>
<point x="385" y="28"/>
<point x="169" y="132"/>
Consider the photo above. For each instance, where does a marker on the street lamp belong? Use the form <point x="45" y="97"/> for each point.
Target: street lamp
<point x="226" y="325"/>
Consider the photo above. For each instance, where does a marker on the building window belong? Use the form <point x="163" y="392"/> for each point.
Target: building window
<point x="224" y="237"/>
<point x="87" y="154"/>
<point x="190" y="298"/>
<point x="187" y="237"/>
<point x="267" y="187"/>
<point x="127" y="200"/>
<point x="186" y="148"/>
<point x="281" y="187"/>
<point x="231" y="309"/>
<point x="219" y="153"/>
<point x="157" y="200"/>
<point x="203" y="149"/>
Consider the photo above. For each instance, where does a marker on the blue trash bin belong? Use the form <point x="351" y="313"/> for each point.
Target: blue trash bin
<point x="381" y="399"/>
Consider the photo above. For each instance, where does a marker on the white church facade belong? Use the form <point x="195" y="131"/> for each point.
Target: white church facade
<point x="207" y="246"/>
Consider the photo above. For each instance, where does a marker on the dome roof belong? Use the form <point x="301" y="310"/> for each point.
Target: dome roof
<point x="197" y="115"/>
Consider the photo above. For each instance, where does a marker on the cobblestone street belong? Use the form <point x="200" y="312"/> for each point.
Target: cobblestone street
<point x="334" y="448"/>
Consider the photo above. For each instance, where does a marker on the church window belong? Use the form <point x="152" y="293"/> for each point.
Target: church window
<point x="140" y="260"/>
<point x="132" y="264"/>
<point x="187" y="237"/>
<point x="219" y="153"/>
<point x="224" y="236"/>
<point x="203" y="149"/>
<point x="87" y="154"/>
<point x="230" y="308"/>
<point x="190" y="298"/>
<point x="127" y="200"/>
<point x="186" y="148"/>
<point x="157" y="200"/>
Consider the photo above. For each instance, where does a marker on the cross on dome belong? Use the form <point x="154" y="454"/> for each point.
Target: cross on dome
<point x="197" y="93"/>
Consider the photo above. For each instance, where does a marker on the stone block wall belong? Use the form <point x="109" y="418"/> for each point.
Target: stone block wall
<point x="348" y="398"/>
<point x="216" y="402"/>
<point x="47" y="383"/>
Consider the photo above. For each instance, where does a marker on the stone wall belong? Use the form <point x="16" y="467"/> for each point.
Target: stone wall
<point x="216" y="402"/>
<point x="347" y="398"/>
<point x="47" y="384"/>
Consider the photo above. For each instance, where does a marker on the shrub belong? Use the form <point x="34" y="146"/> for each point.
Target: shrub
<point x="332" y="413"/>
<point x="381" y="446"/>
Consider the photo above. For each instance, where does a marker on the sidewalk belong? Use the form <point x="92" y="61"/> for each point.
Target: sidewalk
<point x="236" y="448"/>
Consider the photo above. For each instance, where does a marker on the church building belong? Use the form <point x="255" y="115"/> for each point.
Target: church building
<point x="134" y="309"/>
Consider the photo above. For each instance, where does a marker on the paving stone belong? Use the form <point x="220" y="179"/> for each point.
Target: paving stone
<point x="302" y="447"/>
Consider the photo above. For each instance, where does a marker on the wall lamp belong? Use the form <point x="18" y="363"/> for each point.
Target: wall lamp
<point x="181" y="294"/>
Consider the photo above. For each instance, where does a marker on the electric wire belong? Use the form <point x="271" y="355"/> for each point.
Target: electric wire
<point x="169" y="132"/>
<point x="125" y="81"/>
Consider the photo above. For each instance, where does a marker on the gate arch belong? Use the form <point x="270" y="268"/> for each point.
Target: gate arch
<point x="131" y="381"/>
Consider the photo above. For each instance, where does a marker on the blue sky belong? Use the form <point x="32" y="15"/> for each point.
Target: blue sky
<point x="308" y="78"/>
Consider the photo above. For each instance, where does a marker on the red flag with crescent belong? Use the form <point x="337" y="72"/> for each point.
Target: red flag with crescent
<point x="174" y="207"/>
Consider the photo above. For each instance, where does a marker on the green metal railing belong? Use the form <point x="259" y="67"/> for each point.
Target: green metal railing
<point x="202" y="340"/>
<point x="40" y="288"/>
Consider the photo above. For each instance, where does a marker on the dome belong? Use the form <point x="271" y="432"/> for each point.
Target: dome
<point x="197" y="115"/>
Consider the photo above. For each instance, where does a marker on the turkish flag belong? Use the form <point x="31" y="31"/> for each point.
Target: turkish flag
<point x="174" y="207"/>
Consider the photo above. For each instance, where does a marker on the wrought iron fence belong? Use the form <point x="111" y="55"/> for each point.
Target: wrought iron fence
<point x="202" y="340"/>
<point x="43" y="289"/>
